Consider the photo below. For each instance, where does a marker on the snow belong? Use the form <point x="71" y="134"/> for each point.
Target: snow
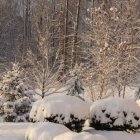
<point x="7" y="138"/>
<point x="72" y="105"/>
<point x="130" y="92"/>
<point x="61" y="104"/>
<point x="16" y="131"/>
<point x="80" y="136"/>
<point x="115" y="135"/>
<point x="13" y="131"/>
<point x="112" y="105"/>
<point x="116" y="108"/>
<point x="16" y="96"/>
<point x="138" y="102"/>
<point x="44" y="131"/>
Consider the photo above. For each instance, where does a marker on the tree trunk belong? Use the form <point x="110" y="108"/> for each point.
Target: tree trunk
<point x="65" y="37"/>
<point x="76" y="25"/>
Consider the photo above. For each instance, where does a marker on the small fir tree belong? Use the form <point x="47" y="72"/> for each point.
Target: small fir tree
<point x="75" y="84"/>
<point x="16" y="96"/>
<point x="76" y="87"/>
<point x="137" y="94"/>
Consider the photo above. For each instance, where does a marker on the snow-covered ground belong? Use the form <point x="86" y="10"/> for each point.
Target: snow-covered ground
<point x="13" y="131"/>
<point x="16" y="131"/>
<point x="45" y="131"/>
<point x="116" y="135"/>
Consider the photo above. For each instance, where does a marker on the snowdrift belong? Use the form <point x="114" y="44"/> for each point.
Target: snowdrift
<point x="44" y="131"/>
<point x="138" y="102"/>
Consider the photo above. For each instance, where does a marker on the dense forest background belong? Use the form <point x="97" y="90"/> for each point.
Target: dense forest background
<point x="99" y="39"/>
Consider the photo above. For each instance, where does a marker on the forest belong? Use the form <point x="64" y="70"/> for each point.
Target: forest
<point x="70" y="66"/>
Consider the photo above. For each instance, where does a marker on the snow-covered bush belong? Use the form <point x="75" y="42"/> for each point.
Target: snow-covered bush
<point x="79" y="136"/>
<point x="44" y="131"/>
<point x="115" y="114"/>
<point x="16" y="96"/>
<point x="68" y="110"/>
<point x="138" y="102"/>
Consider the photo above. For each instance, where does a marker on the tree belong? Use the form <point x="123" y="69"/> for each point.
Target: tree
<point x="16" y="95"/>
<point x="47" y="64"/>
<point x="65" y="36"/>
<point x="75" y="85"/>
<point x="113" y="31"/>
<point x="137" y="94"/>
<point x="75" y="36"/>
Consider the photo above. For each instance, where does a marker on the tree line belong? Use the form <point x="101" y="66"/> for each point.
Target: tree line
<point x="54" y="38"/>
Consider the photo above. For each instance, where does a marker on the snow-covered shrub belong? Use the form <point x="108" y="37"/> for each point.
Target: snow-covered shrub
<point x="79" y="136"/>
<point x="16" y="96"/>
<point x="68" y="110"/>
<point x="44" y="131"/>
<point x="138" y="102"/>
<point x="115" y="114"/>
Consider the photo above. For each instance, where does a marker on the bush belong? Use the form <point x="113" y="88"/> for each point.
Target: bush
<point x="68" y="110"/>
<point x="115" y="114"/>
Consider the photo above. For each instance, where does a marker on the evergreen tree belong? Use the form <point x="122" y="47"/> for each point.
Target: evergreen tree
<point x="137" y="94"/>
<point x="16" y="96"/>
<point x="75" y="85"/>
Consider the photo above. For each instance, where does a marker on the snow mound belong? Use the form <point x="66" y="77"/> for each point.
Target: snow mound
<point x="79" y="136"/>
<point x="115" y="114"/>
<point x="138" y="102"/>
<point x="68" y="110"/>
<point x="44" y="131"/>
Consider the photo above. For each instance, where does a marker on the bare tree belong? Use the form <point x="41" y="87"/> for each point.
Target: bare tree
<point x="45" y="71"/>
<point x="75" y="36"/>
<point x="114" y="30"/>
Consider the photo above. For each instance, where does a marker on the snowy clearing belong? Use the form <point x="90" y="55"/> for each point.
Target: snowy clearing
<point x="13" y="131"/>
